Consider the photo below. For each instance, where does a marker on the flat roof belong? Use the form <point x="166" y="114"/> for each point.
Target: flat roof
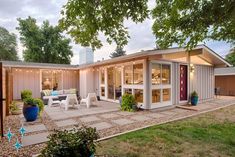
<point x="224" y="71"/>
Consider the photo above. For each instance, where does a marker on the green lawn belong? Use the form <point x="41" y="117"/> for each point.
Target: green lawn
<point x="211" y="134"/>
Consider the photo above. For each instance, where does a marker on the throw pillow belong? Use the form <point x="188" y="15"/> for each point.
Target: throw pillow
<point x="47" y="92"/>
<point x="72" y="91"/>
<point x="54" y="93"/>
<point x="67" y="91"/>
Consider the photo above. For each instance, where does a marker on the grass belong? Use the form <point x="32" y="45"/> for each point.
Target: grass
<point x="211" y="134"/>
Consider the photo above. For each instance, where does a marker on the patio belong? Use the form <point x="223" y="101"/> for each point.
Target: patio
<point x="109" y="122"/>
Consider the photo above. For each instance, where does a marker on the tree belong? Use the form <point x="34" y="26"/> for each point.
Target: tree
<point x="118" y="52"/>
<point x="7" y="45"/>
<point x="230" y="57"/>
<point x="44" y="44"/>
<point x="85" y="19"/>
<point x="184" y="22"/>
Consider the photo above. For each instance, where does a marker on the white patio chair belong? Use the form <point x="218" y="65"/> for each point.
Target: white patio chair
<point x="51" y="101"/>
<point x="91" y="97"/>
<point x="71" y="99"/>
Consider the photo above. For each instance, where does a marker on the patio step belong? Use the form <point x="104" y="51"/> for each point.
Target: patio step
<point x="35" y="139"/>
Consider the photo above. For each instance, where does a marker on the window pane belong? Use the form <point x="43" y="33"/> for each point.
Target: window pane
<point x="166" y="94"/>
<point x="139" y="95"/>
<point x="156" y="74"/>
<point x="102" y="76"/>
<point x="138" y="73"/>
<point x="166" y="73"/>
<point x="128" y="90"/>
<point x="128" y="74"/>
<point x="57" y="80"/>
<point x="156" y="95"/>
<point x="102" y="91"/>
<point x="46" y="79"/>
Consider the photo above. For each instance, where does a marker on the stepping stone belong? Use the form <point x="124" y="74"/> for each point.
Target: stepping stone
<point x="125" y="113"/>
<point x="101" y="126"/>
<point x="59" y="117"/>
<point x="34" y="128"/>
<point x="89" y="119"/>
<point x="140" y="118"/>
<point x="109" y="115"/>
<point x="177" y="110"/>
<point x="35" y="139"/>
<point x="122" y="121"/>
<point x="65" y="122"/>
<point x="156" y="115"/>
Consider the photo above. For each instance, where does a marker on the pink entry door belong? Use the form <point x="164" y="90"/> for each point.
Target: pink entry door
<point x="183" y="82"/>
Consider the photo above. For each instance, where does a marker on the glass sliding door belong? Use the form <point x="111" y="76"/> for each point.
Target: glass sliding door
<point x="118" y="83"/>
<point x="110" y="72"/>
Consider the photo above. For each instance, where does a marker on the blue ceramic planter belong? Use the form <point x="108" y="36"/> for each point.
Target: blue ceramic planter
<point x="194" y="100"/>
<point x="30" y="113"/>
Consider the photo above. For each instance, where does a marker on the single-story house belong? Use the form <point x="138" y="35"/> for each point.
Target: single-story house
<point x="157" y="78"/>
<point x="225" y="81"/>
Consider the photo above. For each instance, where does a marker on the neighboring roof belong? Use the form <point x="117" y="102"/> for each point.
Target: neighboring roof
<point x="137" y="55"/>
<point x="224" y="71"/>
<point x="37" y="65"/>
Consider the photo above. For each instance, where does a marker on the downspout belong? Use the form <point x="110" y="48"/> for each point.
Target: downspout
<point x="189" y="76"/>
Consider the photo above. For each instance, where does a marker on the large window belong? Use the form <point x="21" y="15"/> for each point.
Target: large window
<point x="51" y="80"/>
<point x="102" y="76"/>
<point x="139" y="95"/>
<point x="161" y="83"/>
<point x="138" y="73"/>
<point x="128" y="74"/>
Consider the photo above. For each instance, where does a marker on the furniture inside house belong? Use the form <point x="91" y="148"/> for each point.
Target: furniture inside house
<point x="71" y="99"/>
<point x="91" y="98"/>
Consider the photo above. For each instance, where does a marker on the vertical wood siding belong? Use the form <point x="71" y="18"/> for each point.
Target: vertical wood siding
<point x="202" y="81"/>
<point x="71" y="79"/>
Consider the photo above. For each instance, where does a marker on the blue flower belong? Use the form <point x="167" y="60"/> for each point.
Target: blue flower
<point x="17" y="145"/>
<point x="9" y="135"/>
<point x="22" y="131"/>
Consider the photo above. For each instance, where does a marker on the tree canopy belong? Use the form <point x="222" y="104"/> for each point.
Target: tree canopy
<point x="230" y="57"/>
<point x="182" y="22"/>
<point x="7" y="45"/>
<point x="118" y="52"/>
<point x="44" y="44"/>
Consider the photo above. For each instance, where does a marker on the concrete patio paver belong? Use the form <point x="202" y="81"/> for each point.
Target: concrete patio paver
<point x="35" y="139"/>
<point x="35" y="128"/>
<point x="170" y="112"/>
<point x="125" y="113"/>
<point x="101" y="125"/>
<point x="156" y="115"/>
<point x="140" y="118"/>
<point x="89" y="119"/>
<point x="122" y="121"/>
<point x="109" y="115"/>
<point x="65" y="122"/>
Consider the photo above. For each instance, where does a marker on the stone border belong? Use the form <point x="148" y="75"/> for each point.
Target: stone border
<point x="168" y="121"/>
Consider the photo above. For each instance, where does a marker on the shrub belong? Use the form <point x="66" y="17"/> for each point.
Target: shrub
<point x="13" y="107"/>
<point x="28" y="101"/>
<point x="26" y="94"/>
<point x="40" y="104"/>
<point x="194" y="94"/>
<point x="128" y="101"/>
<point x="79" y="142"/>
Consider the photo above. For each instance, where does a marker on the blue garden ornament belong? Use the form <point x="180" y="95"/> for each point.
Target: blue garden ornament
<point x="17" y="145"/>
<point x="9" y="135"/>
<point x="22" y="131"/>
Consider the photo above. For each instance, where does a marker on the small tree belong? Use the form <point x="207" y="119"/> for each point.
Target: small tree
<point x="230" y="57"/>
<point x="118" y="52"/>
<point x="7" y="45"/>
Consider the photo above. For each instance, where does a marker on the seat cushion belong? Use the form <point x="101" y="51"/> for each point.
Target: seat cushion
<point x="47" y="92"/>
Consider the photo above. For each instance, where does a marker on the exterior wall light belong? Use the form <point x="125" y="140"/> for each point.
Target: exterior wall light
<point x="192" y="68"/>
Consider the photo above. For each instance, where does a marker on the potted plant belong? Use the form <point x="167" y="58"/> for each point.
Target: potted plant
<point x="194" y="98"/>
<point x="77" y="142"/>
<point x="14" y="109"/>
<point x="26" y="94"/>
<point x="30" y="109"/>
<point x="40" y="105"/>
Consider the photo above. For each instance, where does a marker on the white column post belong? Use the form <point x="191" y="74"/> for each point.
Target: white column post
<point x="146" y="90"/>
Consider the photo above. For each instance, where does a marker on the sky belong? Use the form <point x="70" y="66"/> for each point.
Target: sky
<point x="141" y="36"/>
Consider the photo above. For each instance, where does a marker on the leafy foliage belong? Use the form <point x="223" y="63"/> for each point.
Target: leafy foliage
<point x="79" y="142"/>
<point x="181" y="22"/>
<point x="7" y="45"/>
<point x="85" y="19"/>
<point x="26" y="94"/>
<point x="13" y="107"/>
<point x="128" y="101"/>
<point x="29" y="101"/>
<point x="231" y="57"/>
<point x="118" y="52"/>
<point x="44" y="44"/>
<point x="188" y="22"/>
<point x="40" y="104"/>
<point x="194" y="94"/>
